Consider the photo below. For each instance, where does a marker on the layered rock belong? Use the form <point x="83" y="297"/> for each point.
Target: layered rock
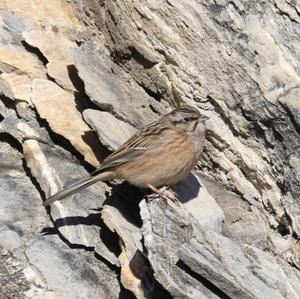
<point x="78" y="78"/>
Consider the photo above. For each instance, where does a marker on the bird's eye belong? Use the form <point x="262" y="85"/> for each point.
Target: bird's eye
<point x="187" y="119"/>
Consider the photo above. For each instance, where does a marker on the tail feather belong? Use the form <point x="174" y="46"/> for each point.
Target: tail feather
<point x="69" y="190"/>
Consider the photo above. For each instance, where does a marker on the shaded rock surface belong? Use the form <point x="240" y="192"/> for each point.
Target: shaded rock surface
<point x="78" y="78"/>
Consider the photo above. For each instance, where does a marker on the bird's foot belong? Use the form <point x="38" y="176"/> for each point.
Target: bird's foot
<point x="164" y="193"/>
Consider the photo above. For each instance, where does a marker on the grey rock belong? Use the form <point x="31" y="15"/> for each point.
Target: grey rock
<point x="293" y="210"/>
<point x="111" y="131"/>
<point x="162" y="239"/>
<point x="120" y="217"/>
<point x="75" y="217"/>
<point x="12" y="279"/>
<point x="22" y="130"/>
<point x="21" y="212"/>
<point x="104" y="252"/>
<point x="178" y="247"/>
<point x="70" y="273"/>
<point x="195" y="198"/>
<point x="108" y="87"/>
<point x="237" y="60"/>
<point x="53" y="167"/>
<point x="242" y="222"/>
<point x="14" y="25"/>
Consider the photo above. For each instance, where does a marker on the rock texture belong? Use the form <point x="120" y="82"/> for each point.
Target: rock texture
<point x="79" y="77"/>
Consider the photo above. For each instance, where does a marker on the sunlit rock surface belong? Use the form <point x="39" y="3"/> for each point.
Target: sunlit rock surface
<point x="79" y="77"/>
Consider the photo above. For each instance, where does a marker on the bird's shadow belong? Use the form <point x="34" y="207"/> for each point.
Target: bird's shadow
<point x="126" y="198"/>
<point x="91" y="219"/>
<point x="188" y="188"/>
<point x="123" y="196"/>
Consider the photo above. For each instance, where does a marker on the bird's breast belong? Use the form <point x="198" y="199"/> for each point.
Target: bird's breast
<point x="165" y="162"/>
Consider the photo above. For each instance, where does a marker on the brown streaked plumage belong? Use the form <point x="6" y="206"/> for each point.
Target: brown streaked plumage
<point x="160" y="154"/>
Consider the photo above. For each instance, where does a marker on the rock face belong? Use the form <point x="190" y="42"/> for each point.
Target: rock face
<point x="79" y="77"/>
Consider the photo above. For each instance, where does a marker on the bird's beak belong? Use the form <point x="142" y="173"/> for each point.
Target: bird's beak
<point x="203" y="118"/>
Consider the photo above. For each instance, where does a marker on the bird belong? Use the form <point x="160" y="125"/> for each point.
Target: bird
<point x="160" y="154"/>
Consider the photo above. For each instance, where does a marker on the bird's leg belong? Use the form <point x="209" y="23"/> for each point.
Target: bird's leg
<point x="169" y="191"/>
<point x="155" y="190"/>
<point x="165" y="194"/>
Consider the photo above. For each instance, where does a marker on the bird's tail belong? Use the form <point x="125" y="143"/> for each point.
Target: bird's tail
<point x="77" y="186"/>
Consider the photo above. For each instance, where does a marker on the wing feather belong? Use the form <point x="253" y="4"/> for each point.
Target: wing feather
<point x="132" y="148"/>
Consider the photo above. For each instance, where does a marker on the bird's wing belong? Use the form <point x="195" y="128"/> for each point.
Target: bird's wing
<point x="117" y="158"/>
<point x="131" y="149"/>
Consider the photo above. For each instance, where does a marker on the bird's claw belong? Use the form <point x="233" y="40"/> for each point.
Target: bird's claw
<point x="164" y="193"/>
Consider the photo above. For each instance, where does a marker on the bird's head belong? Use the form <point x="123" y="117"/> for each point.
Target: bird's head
<point x="185" y="118"/>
